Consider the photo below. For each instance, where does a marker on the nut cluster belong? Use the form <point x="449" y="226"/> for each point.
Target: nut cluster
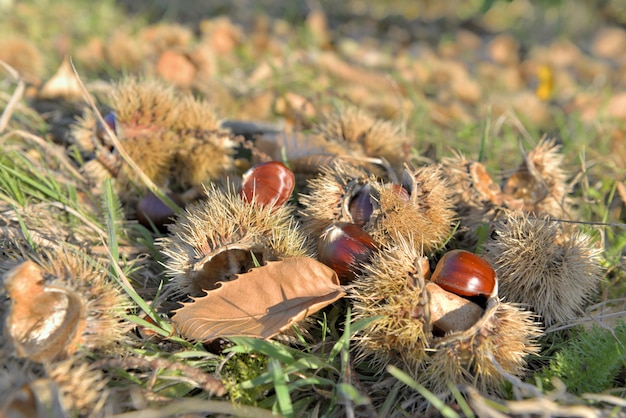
<point x="450" y="327"/>
<point x="228" y="232"/>
<point x="419" y="209"/>
<point x="540" y="262"/>
<point x="379" y="235"/>
<point x="378" y="229"/>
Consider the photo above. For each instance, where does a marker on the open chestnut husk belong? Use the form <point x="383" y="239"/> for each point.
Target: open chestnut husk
<point x="329" y="198"/>
<point x="221" y="236"/>
<point x="172" y="137"/>
<point x="420" y="208"/>
<point x="60" y="304"/>
<point x="539" y="186"/>
<point x="436" y="336"/>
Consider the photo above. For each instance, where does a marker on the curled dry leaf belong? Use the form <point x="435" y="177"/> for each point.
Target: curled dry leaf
<point x="63" y="84"/>
<point x="262" y="302"/>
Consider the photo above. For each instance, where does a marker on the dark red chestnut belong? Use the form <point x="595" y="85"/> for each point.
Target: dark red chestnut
<point x="344" y="247"/>
<point x="268" y="184"/>
<point x="400" y="191"/>
<point x="465" y="274"/>
<point x="360" y="206"/>
<point x="151" y="209"/>
<point x="110" y="120"/>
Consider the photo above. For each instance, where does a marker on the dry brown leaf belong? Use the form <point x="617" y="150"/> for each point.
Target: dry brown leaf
<point x="621" y="191"/>
<point x="297" y="145"/>
<point x="176" y="68"/>
<point x="261" y="303"/>
<point x="62" y="85"/>
<point x="333" y="64"/>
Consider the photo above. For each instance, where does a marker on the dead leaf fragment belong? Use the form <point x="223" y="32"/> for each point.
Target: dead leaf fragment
<point x="62" y="85"/>
<point x="621" y="191"/>
<point x="176" y="67"/>
<point x="261" y="303"/>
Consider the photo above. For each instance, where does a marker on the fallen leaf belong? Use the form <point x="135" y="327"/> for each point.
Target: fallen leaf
<point x="176" y="68"/>
<point x="262" y="302"/>
<point x="62" y="85"/>
<point x="621" y="191"/>
<point x="545" y="89"/>
<point x="298" y="146"/>
<point x="609" y="42"/>
<point x="504" y="49"/>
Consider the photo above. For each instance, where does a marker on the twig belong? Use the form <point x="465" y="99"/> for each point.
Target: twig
<point x="599" y="397"/>
<point x="347" y="378"/>
<point x="482" y="407"/>
<point x="596" y="319"/>
<point x="220" y="366"/>
<point x="548" y="408"/>
<point x="356" y="382"/>
<point x="15" y="98"/>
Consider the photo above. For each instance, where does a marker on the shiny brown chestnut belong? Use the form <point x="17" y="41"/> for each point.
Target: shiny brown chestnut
<point x="268" y="184"/>
<point x="465" y="274"/>
<point x="344" y="247"/>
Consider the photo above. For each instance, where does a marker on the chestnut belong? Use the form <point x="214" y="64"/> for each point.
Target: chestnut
<point x="268" y="184"/>
<point x="110" y="120"/>
<point x="360" y="206"/>
<point x="400" y="191"/>
<point x="465" y="274"/>
<point x="344" y="247"/>
<point x="153" y="211"/>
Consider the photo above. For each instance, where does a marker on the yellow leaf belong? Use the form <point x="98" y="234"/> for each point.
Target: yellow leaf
<point x="546" y="82"/>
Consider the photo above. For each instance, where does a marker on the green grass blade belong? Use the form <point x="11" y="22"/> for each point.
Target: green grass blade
<point x="111" y="212"/>
<point x="271" y="349"/>
<point x="460" y="400"/>
<point x="437" y="403"/>
<point x="280" y="386"/>
<point x="25" y="230"/>
<point x="351" y="393"/>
